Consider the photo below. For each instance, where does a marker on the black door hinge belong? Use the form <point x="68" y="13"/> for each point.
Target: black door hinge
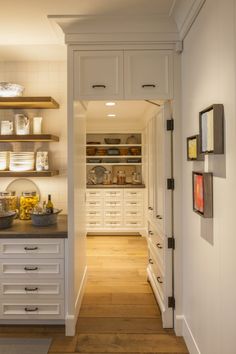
<point x="171" y="302"/>
<point x="170" y="124"/>
<point x="171" y="243"/>
<point x="170" y="183"/>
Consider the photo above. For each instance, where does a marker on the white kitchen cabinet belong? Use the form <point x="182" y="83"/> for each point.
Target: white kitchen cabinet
<point x="127" y="74"/>
<point x="122" y="210"/>
<point x="148" y="74"/>
<point x="31" y="279"/>
<point x="99" y="74"/>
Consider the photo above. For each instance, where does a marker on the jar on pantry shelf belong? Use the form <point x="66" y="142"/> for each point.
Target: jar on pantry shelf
<point x="28" y="201"/>
<point x="8" y="201"/>
<point x="121" y="177"/>
<point x="107" y="177"/>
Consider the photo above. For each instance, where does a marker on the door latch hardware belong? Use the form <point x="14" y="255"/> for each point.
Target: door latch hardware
<point x="171" y="302"/>
<point x="170" y="183"/>
<point x="171" y="243"/>
<point x="170" y="124"/>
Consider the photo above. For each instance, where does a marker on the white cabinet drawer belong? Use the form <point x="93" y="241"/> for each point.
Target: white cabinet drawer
<point x="94" y="194"/>
<point x="32" y="268"/>
<point x="133" y="223"/>
<point x="116" y="195"/>
<point x="91" y="204"/>
<point x="113" y="223"/>
<point x="133" y="194"/>
<point x="129" y="204"/>
<point x="94" y="213"/>
<point x="94" y="223"/>
<point x="113" y="213"/>
<point x="99" y="74"/>
<point x="112" y="204"/>
<point x="48" y="309"/>
<point x="133" y="213"/>
<point x="30" y="290"/>
<point x="156" y="270"/>
<point x="25" y="248"/>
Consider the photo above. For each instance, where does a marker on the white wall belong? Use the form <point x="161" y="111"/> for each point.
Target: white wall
<point x="209" y="262"/>
<point x="43" y="78"/>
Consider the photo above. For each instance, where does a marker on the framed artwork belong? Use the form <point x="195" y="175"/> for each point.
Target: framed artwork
<point x="203" y="194"/>
<point x="193" y="149"/>
<point x="211" y="123"/>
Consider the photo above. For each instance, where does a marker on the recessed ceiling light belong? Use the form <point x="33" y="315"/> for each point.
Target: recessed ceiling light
<point x="111" y="115"/>
<point x="110" y="104"/>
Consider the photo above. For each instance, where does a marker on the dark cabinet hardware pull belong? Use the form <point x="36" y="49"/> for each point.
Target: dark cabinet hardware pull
<point x="31" y="268"/>
<point x="159" y="217"/>
<point x="31" y="248"/>
<point x="27" y="309"/>
<point x="159" y="246"/>
<point x="148" y="85"/>
<point x="150" y="233"/>
<point x="150" y="261"/>
<point x="31" y="289"/>
<point x="150" y="208"/>
<point x="99" y="86"/>
<point x="159" y="280"/>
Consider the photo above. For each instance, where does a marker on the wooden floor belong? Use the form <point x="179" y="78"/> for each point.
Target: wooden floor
<point x="119" y="313"/>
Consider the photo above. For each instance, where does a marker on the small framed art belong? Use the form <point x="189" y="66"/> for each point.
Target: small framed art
<point x="203" y="194"/>
<point x="193" y="149"/>
<point x="211" y="123"/>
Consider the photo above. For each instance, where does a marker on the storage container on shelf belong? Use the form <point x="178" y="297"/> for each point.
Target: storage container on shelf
<point x="28" y="201"/>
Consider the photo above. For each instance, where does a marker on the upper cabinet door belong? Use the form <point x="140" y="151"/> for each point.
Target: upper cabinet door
<point x="99" y="74"/>
<point x="148" y="74"/>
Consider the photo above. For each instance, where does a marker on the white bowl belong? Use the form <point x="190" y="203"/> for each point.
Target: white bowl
<point x="8" y="89"/>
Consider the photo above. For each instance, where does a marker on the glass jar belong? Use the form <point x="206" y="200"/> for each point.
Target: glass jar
<point x="8" y="201"/>
<point x="107" y="177"/>
<point x="92" y="178"/>
<point x="136" y="178"/>
<point x="121" y="177"/>
<point x="28" y="201"/>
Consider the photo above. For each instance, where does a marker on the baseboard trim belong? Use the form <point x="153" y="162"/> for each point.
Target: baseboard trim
<point x="182" y="328"/>
<point x="71" y="320"/>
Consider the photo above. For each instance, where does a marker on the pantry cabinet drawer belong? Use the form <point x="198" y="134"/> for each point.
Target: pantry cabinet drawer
<point x="94" y="223"/>
<point x="99" y="74"/>
<point x="30" y="290"/>
<point x="32" y="310"/>
<point x="133" y="213"/>
<point x="25" y="248"/>
<point x="92" y="204"/>
<point x="94" y="214"/>
<point x="148" y="74"/>
<point x="113" y="213"/>
<point x="157" y="272"/>
<point x="130" y="204"/>
<point x="94" y="194"/>
<point x="113" y="223"/>
<point x="113" y="204"/>
<point x="133" y="194"/>
<point x="116" y="195"/>
<point x="32" y="268"/>
<point x="133" y="223"/>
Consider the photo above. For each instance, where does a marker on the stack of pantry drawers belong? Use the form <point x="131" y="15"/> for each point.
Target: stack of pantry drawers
<point x="32" y="279"/>
<point x="120" y="209"/>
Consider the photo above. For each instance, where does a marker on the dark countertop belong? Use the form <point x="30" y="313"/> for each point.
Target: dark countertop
<point x="24" y="229"/>
<point x="115" y="186"/>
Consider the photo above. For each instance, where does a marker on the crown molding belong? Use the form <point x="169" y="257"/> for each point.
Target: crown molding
<point x="185" y="13"/>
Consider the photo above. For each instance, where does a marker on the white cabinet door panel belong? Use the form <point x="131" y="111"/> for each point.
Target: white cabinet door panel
<point x="148" y="74"/>
<point x="99" y="74"/>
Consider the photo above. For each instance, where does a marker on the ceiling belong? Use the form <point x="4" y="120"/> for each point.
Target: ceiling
<point x="25" y="23"/>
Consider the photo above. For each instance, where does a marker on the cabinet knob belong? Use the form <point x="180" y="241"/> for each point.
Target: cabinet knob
<point x="159" y="246"/>
<point x="150" y="208"/>
<point x="159" y="217"/>
<point x="150" y="261"/>
<point x="159" y="280"/>
<point x="150" y="233"/>
<point x="99" y="86"/>
<point x="29" y="309"/>
<point x="148" y="85"/>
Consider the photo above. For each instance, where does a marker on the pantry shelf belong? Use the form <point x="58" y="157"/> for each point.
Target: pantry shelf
<point x="29" y="173"/>
<point x="113" y="145"/>
<point x="46" y="102"/>
<point x="28" y="138"/>
<point x="115" y="164"/>
<point x="114" y="156"/>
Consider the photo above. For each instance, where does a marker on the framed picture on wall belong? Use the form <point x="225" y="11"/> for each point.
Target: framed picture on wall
<point x="193" y="149"/>
<point x="203" y="194"/>
<point x="211" y="123"/>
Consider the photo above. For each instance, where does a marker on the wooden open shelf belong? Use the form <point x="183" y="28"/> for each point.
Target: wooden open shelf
<point x="28" y="103"/>
<point x="29" y="138"/>
<point x="29" y="174"/>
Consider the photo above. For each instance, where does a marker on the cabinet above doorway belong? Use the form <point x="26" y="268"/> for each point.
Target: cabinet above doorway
<point x="124" y="74"/>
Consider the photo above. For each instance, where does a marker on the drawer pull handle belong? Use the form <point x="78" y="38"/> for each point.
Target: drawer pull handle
<point x="159" y="246"/>
<point x="150" y="261"/>
<point x="92" y="212"/>
<point x="29" y="309"/>
<point x="150" y="233"/>
<point x="31" y="248"/>
<point x="133" y="213"/>
<point x="150" y="208"/>
<point x="133" y="203"/>
<point x="148" y="85"/>
<point x="31" y="268"/>
<point x="159" y="217"/>
<point x="133" y="222"/>
<point x="92" y="203"/>
<point x="99" y="86"/>
<point x="159" y="280"/>
<point x="31" y="289"/>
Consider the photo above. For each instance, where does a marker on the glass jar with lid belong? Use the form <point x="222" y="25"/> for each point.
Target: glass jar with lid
<point x="8" y="201"/>
<point x="28" y="201"/>
<point x="107" y="179"/>
<point x="121" y="177"/>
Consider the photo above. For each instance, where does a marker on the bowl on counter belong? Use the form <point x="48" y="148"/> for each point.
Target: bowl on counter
<point x="112" y="141"/>
<point x="45" y="219"/>
<point x="6" y="219"/>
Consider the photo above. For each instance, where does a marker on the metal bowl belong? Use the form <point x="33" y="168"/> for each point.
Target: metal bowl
<point x="45" y="219"/>
<point x="112" y="141"/>
<point x="6" y="219"/>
